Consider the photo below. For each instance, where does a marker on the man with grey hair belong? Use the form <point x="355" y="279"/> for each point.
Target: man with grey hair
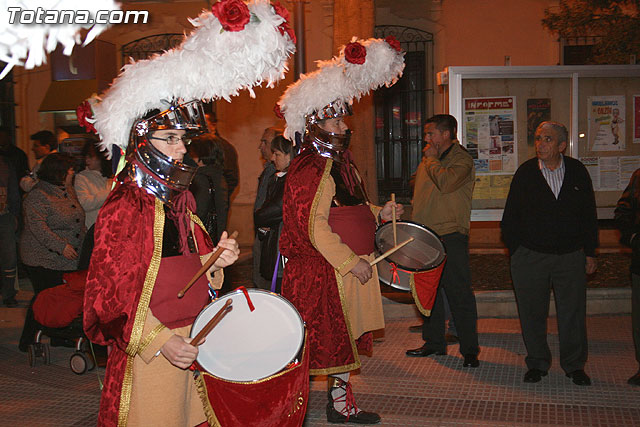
<point x="263" y="182"/>
<point x="550" y="228"/>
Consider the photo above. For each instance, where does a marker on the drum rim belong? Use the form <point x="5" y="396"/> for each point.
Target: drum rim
<point x="251" y="290"/>
<point x="409" y="269"/>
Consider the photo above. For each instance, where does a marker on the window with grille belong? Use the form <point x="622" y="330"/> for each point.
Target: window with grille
<point x="400" y="113"/>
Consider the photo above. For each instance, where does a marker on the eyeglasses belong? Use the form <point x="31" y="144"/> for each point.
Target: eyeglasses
<point x="173" y="140"/>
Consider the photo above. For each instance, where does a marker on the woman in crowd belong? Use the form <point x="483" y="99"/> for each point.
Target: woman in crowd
<point x="208" y="186"/>
<point x="53" y="230"/>
<point x="93" y="184"/>
<point x="268" y="219"/>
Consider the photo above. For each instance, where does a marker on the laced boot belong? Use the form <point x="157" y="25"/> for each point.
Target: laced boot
<point x="341" y="396"/>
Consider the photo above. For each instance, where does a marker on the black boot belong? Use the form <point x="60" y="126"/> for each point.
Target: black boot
<point x="351" y="413"/>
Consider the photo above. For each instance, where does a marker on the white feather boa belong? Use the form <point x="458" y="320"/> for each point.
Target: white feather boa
<point x="340" y="81"/>
<point x="33" y="41"/>
<point x="209" y="64"/>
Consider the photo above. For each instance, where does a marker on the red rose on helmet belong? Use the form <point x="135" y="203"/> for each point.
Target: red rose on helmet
<point x="394" y="43"/>
<point x="284" y="27"/>
<point x="232" y="14"/>
<point x="355" y="53"/>
<point x="84" y="111"/>
<point x="278" y="112"/>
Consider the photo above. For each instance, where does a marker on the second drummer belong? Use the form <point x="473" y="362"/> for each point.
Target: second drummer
<point x="328" y="222"/>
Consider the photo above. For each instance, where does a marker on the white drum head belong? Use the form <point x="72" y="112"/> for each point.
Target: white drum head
<point x="250" y="345"/>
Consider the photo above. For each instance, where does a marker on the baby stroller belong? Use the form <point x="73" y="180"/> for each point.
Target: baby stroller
<point x="58" y="313"/>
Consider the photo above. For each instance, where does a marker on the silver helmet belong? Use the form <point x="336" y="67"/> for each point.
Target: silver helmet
<point x="328" y="144"/>
<point x="161" y="175"/>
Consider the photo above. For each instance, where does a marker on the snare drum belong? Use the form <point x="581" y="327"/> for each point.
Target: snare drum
<point x="425" y="253"/>
<point x="250" y="345"/>
<point x="417" y="266"/>
<point x="253" y="368"/>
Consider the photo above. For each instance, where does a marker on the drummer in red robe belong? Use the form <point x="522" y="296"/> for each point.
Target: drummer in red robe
<point x="148" y="241"/>
<point x="329" y="223"/>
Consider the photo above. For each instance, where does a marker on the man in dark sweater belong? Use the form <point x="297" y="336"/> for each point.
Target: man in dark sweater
<point x="550" y="228"/>
<point x="627" y="215"/>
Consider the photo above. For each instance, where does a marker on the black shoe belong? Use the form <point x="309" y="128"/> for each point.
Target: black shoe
<point x="361" y="417"/>
<point x="579" y="377"/>
<point x="415" y="328"/>
<point x="471" y="360"/>
<point x="534" y="375"/>
<point x="10" y="302"/>
<point x="333" y="416"/>
<point x="634" y="380"/>
<point x="424" y="352"/>
<point x="451" y="339"/>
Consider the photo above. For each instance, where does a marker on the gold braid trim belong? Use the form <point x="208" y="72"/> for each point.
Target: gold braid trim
<point x="347" y="261"/>
<point x="141" y="313"/>
<point x="354" y="348"/>
<point x="212" y="420"/>
<point x="150" y="337"/>
<point x="196" y="219"/>
<point x="316" y="201"/>
<point x="412" y="285"/>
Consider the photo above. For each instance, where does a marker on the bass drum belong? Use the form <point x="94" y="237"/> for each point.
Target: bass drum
<point x="250" y="345"/>
<point x="424" y="253"/>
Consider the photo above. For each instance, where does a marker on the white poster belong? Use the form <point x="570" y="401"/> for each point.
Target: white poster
<point x="606" y="123"/>
<point x="611" y="173"/>
<point x="490" y="134"/>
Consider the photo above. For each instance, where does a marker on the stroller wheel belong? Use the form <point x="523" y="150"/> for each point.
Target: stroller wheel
<point x="91" y="364"/>
<point x="79" y="363"/>
<point x="46" y="356"/>
<point x="31" y="355"/>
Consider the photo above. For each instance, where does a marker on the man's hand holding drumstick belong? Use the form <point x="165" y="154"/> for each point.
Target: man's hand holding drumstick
<point x="178" y="349"/>
<point x="227" y="257"/>
<point x="362" y="270"/>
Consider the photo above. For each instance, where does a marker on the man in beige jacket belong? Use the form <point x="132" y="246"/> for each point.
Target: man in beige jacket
<point x="442" y="202"/>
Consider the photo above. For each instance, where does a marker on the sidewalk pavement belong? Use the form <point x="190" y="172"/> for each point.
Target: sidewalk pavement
<point x="433" y="391"/>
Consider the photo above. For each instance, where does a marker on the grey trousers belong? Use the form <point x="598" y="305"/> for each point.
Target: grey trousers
<point x="534" y="274"/>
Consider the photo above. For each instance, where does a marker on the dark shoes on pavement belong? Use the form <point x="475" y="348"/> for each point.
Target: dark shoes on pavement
<point x="471" y="361"/>
<point x="361" y="417"/>
<point x="579" y="377"/>
<point x="344" y="416"/>
<point x="10" y="302"/>
<point x="534" y="375"/>
<point x="451" y="339"/>
<point x="634" y="380"/>
<point x="424" y="351"/>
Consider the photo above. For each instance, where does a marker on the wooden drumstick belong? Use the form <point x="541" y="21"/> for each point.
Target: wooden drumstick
<point x="207" y="265"/>
<point x="393" y="217"/>
<point x="390" y="251"/>
<point x="211" y="323"/>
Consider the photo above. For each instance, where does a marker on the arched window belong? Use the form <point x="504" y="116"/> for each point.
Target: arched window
<point x="401" y="111"/>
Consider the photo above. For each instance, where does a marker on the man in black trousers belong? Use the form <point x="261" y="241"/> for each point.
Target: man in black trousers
<point x="550" y="228"/>
<point x="627" y="215"/>
<point x="442" y="202"/>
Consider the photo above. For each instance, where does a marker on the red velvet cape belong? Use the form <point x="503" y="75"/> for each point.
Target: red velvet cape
<point x="309" y="281"/>
<point x="123" y="251"/>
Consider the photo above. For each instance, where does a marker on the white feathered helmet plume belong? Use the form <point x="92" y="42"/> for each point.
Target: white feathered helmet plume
<point x="361" y="66"/>
<point x="235" y="46"/>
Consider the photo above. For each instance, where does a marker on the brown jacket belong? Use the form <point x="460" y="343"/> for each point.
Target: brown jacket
<point x="442" y="195"/>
